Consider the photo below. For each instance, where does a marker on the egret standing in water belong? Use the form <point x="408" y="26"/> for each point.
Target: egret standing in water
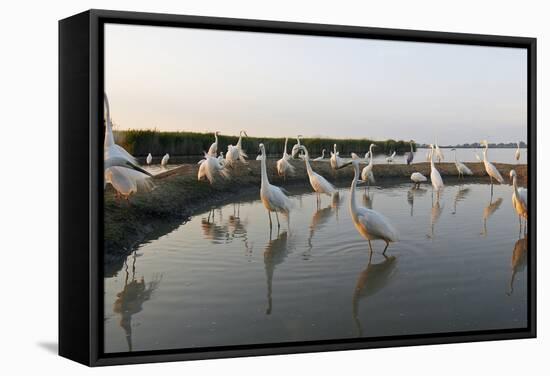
<point x="519" y="199"/>
<point x="490" y="168"/>
<point x="461" y="167"/>
<point x="213" y="151"/>
<point x="418" y="178"/>
<point x="149" y="159"/>
<point x="273" y="197"/>
<point x="318" y="183"/>
<point x="366" y="174"/>
<point x="517" y="154"/>
<point x="369" y="223"/>
<point x="435" y="176"/>
<point x="284" y="167"/>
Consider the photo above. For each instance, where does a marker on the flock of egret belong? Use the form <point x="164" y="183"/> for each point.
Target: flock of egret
<point x="126" y="177"/>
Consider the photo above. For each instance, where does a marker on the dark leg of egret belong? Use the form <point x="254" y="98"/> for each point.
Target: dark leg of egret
<point x="270" y="223"/>
<point x="278" y="224"/>
<point x="386" y="247"/>
<point x="370" y="247"/>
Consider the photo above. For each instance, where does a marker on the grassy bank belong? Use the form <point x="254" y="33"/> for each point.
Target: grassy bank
<point x="142" y="142"/>
<point x="178" y="195"/>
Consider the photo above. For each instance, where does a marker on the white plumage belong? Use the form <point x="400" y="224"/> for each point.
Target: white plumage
<point x="211" y="168"/>
<point x="519" y="197"/>
<point x="149" y="158"/>
<point x="390" y="158"/>
<point x="296" y="147"/>
<point x="418" y="178"/>
<point x="126" y="181"/>
<point x="319" y="184"/>
<point x="236" y="153"/>
<point x="435" y="177"/>
<point x="461" y="167"/>
<point x="489" y="167"/>
<point x="439" y="153"/>
<point x="321" y="157"/>
<point x="367" y="174"/>
<point x="369" y="223"/>
<point x="284" y="167"/>
<point x="517" y="154"/>
<point x="213" y="150"/>
<point x="164" y="160"/>
<point x="273" y="198"/>
<point x="335" y="160"/>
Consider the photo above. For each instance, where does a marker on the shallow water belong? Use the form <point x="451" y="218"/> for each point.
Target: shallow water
<point x="224" y="279"/>
<point x="463" y="155"/>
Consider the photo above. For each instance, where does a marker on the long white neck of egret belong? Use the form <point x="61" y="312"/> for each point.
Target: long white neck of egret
<point x="352" y="203"/>
<point x="370" y="155"/>
<point x="432" y="158"/>
<point x="265" y="181"/>
<point x="306" y="158"/>
<point x="286" y="142"/>
<point x="109" y="138"/>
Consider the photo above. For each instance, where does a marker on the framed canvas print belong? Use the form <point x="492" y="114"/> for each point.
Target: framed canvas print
<point x="234" y="187"/>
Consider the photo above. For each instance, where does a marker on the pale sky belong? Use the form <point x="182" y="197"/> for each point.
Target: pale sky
<point x="282" y="85"/>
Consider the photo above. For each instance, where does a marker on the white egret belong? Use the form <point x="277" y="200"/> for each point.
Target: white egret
<point x="296" y="148"/>
<point x="489" y="167"/>
<point x="438" y="153"/>
<point x="273" y="197"/>
<point x="390" y="158"/>
<point x="321" y="157"/>
<point x="335" y="161"/>
<point x="517" y="154"/>
<point x="284" y="167"/>
<point x="120" y="167"/>
<point x="164" y="160"/>
<point x="435" y="177"/>
<point x="221" y="159"/>
<point x="367" y="174"/>
<point x="519" y="198"/>
<point x="259" y="157"/>
<point x="461" y="167"/>
<point x="319" y="184"/>
<point x="211" y="168"/>
<point x="236" y="153"/>
<point x="410" y="155"/>
<point x="149" y="159"/>
<point x="369" y="223"/>
<point x="126" y="182"/>
<point x="478" y="157"/>
<point x="110" y="148"/>
<point x="418" y="178"/>
<point x="213" y="151"/>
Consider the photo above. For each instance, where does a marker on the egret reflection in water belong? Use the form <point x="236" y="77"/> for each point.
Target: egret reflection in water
<point x="318" y="221"/>
<point x="276" y="251"/>
<point x="519" y="260"/>
<point x="413" y="193"/>
<point x="488" y="211"/>
<point x="370" y="281"/>
<point x="437" y="209"/>
<point x="130" y="300"/>
<point x="461" y="193"/>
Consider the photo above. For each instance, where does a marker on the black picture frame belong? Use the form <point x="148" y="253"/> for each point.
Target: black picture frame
<point x="81" y="179"/>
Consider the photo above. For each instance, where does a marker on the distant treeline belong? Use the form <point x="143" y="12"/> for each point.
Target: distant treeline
<point x="142" y="142"/>
<point x="476" y="145"/>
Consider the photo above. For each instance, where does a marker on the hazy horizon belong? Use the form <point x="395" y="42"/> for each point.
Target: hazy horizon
<point x="276" y="85"/>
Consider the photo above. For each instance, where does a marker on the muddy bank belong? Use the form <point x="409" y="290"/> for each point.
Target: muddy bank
<point x="178" y="195"/>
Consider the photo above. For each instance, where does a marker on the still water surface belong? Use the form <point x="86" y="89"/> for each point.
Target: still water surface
<point x="224" y="279"/>
<point x="463" y="155"/>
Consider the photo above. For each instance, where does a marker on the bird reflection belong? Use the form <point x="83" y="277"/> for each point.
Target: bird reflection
<point x="368" y="199"/>
<point x="275" y="253"/>
<point x="461" y="194"/>
<point x="370" y="281"/>
<point x="488" y="211"/>
<point x="318" y="220"/>
<point x="437" y="209"/>
<point x="215" y="233"/>
<point x="412" y="194"/>
<point x="519" y="260"/>
<point x="130" y="300"/>
<point x="336" y="203"/>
